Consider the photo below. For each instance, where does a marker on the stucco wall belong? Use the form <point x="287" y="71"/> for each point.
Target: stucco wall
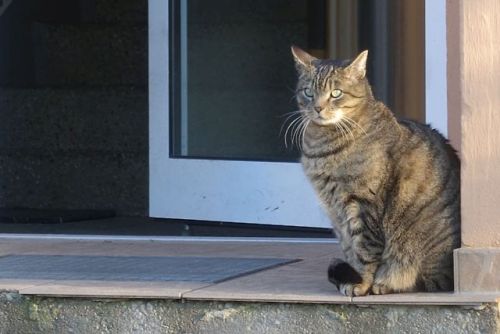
<point x="478" y="57"/>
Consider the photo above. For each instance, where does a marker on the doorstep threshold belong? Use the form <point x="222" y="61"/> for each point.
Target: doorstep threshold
<point x="191" y="239"/>
<point x="302" y="281"/>
<point x="189" y="291"/>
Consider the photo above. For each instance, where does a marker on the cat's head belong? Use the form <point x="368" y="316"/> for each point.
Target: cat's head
<point x="330" y="91"/>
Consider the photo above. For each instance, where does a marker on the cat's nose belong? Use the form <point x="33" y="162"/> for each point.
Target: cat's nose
<point x="318" y="109"/>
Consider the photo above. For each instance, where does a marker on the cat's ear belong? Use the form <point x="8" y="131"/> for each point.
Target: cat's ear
<point x="303" y="60"/>
<point x="357" y="68"/>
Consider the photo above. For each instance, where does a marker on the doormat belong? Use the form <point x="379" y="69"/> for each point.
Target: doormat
<point x="133" y="268"/>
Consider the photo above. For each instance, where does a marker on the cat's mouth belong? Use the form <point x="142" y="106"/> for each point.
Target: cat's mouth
<point x="328" y="118"/>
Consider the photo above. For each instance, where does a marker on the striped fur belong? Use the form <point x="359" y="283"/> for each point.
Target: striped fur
<point x="391" y="187"/>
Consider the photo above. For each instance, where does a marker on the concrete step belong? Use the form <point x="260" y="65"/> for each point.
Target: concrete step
<point x="90" y="54"/>
<point x="49" y="120"/>
<point x="37" y="314"/>
<point x="77" y="179"/>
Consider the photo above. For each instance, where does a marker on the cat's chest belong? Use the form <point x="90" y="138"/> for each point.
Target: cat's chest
<point x="329" y="178"/>
<point x="332" y="169"/>
<point x="336" y="179"/>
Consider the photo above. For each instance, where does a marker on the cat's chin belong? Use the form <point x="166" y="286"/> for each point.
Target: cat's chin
<point x="324" y="122"/>
<point x="332" y="119"/>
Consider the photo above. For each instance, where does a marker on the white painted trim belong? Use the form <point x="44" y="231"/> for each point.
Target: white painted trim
<point x="12" y="236"/>
<point x="158" y="58"/>
<point x="235" y="191"/>
<point x="215" y="190"/>
<point x="436" y="86"/>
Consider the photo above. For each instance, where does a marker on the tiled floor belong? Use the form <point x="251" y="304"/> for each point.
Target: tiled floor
<point x="300" y="282"/>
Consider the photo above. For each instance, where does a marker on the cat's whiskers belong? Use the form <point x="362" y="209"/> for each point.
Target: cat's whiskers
<point x="295" y="112"/>
<point x="353" y="122"/>
<point x="347" y="128"/>
<point x="292" y="126"/>
<point x="342" y="131"/>
<point x="303" y="134"/>
<point x="298" y="134"/>
<point x="288" y="115"/>
<point x="296" y="131"/>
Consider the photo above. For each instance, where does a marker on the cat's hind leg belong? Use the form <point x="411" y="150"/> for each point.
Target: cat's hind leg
<point x="347" y="280"/>
<point x="344" y="276"/>
<point x="366" y="251"/>
<point x="394" y="276"/>
<point x="363" y="244"/>
<point x="342" y="273"/>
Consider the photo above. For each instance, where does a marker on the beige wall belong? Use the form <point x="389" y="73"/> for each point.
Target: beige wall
<point x="474" y="84"/>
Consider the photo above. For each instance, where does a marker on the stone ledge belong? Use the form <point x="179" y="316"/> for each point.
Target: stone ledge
<point x="28" y="314"/>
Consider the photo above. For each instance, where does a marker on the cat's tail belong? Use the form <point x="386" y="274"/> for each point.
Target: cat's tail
<point x="341" y="272"/>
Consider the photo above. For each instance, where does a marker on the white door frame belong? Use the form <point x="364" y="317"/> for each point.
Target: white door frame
<point x="249" y="191"/>
<point x="436" y="84"/>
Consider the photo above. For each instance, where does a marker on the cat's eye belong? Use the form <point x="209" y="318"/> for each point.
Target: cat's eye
<point x="308" y="92"/>
<point x="336" y="93"/>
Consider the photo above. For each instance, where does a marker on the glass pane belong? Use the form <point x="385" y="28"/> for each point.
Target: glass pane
<point x="237" y="77"/>
<point x="233" y="78"/>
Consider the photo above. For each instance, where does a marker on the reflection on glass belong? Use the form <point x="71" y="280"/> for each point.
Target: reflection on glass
<point x="233" y="77"/>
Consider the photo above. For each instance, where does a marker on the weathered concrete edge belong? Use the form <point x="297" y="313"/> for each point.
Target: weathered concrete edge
<point x="198" y="294"/>
<point x="35" y="314"/>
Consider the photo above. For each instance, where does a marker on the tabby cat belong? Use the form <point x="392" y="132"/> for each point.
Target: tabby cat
<point x="391" y="187"/>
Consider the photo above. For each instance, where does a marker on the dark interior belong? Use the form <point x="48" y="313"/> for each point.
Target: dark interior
<point x="74" y="117"/>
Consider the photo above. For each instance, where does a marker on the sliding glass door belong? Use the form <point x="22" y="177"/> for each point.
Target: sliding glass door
<point x="222" y="84"/>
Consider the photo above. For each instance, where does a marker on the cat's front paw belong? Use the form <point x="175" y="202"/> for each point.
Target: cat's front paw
<point x="354" y="290"/>
<point x="380" y="289"/>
